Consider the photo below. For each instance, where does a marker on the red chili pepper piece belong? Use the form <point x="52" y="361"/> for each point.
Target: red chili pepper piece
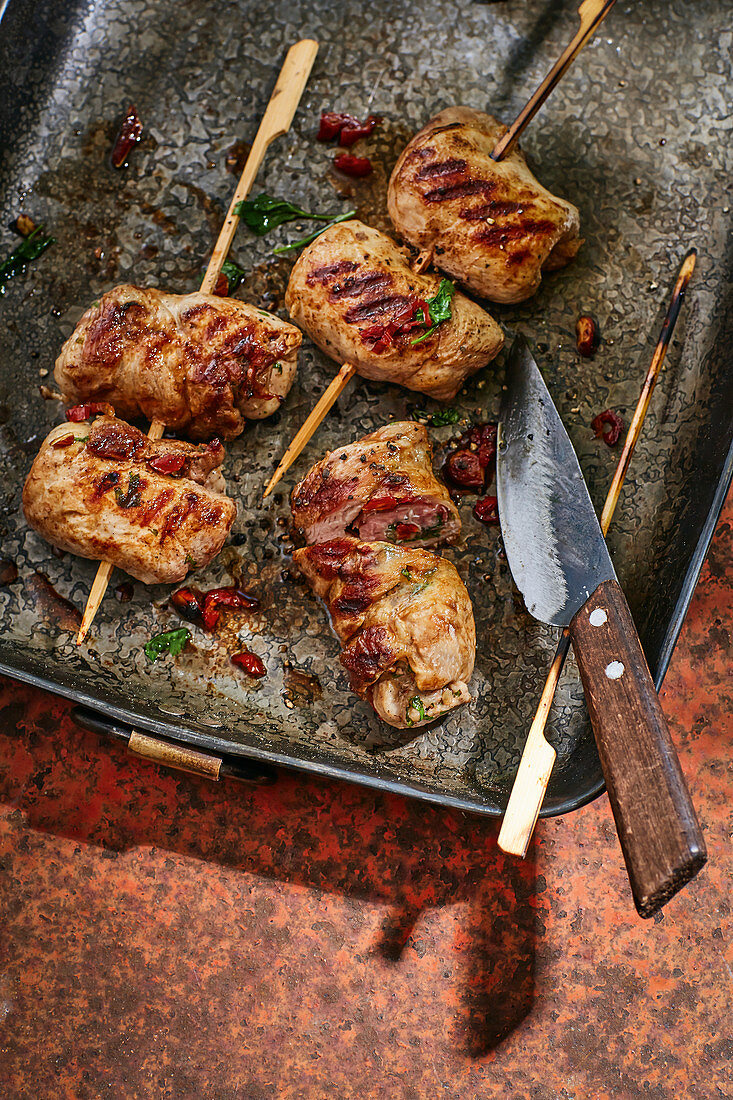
<point x="189" y="602"/>
<point x="354" y="130"/>
<point x="222" y="286"/>
<point x="380" y="504"/>
<point x="250" y="662"/>
<point x="83" y="412"/>
<point x="487" y="510"/>
<point x="64" y="441"/>
<point x="487" y="444"/>
<point x="232" y="598"/>
<point x="356" y="167"/>
<point x="382" y="336"/>
<point x="332" y="123"/>
<point x="167" y="464"/>
<point x="405" y="531"/>
<point x="347" y="128"/>
<point x="463" y="467"/>
<point x="128" y="137"/>
<point x="608" y="425"/>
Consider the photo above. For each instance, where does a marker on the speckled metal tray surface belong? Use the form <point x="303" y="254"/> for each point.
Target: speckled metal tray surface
<point x="635" y="136"/>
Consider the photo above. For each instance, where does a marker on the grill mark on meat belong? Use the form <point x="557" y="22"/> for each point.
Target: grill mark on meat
<point x="113" y="439"/>
<point x="153" y="506"/>
<point x="179" y="515"/>
<point x="369" y="655"/>
<point x="387" y="307"/>
<point x="355" y="598"/>
<point x="491" y="209"/>
<point x="421" y="154"/>
<point x="326" y="495"/>
<point x="327" y="557"/>
<point x="444" y="129"/>
<point x="452" y="191"/>
<point x="106" y="482"/>
<point x="441" y="168"/>
<point x="494" y="235"/>
<point x="323" y="274"/>
<point x="240" y="361"/>
<point x="358" y="285"/>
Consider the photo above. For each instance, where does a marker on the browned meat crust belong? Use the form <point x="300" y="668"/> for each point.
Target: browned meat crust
<point x="381" y="487"/>
<point x="491" y="224"/>
<point x="352" y="280"/>
<point x="100" y="490"/>
<point x="203" y="365"/>
<point x="406" y="623"/>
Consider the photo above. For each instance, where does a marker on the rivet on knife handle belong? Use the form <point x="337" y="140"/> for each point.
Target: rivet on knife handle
<point x="656" y="822"/>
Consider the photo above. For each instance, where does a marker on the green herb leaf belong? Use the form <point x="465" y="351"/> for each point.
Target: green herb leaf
<point x="437" y="419"/>
<point x="307" y="240"/>
<point x="131" y="498"/>
<point x="234" y="274"/>
<point x="265" y="213"/>
<point x="415" y="703"/>
<point x="29" y="249"/>
<point x="439" y="307"/>
<point x="171" y="642"/>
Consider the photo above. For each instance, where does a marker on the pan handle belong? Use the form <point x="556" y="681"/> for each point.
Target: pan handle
<point x="173" y="754"/>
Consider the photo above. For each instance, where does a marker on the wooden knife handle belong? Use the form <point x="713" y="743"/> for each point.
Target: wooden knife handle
<point x="655" y="819"/>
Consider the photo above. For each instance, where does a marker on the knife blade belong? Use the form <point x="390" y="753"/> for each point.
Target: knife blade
<point x="561" y="565"/>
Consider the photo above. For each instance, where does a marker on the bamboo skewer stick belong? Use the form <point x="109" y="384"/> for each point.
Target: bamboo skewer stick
<point x="538" y="757"/>
<point x="592" y="13"/>
<point x="322" y="407"/>
<point x="276" y="121"/>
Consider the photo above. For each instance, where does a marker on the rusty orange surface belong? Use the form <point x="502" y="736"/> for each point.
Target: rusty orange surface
<point x="164" y="937"/>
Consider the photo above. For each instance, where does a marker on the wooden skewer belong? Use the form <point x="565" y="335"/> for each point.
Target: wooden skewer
<point x="538" y="758"/>
<point x="275" y="122"/>
<point x="592" y="13"/>
<point x="320" y="410"/>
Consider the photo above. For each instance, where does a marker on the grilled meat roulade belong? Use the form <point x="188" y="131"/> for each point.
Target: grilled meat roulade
<point x="490" y="224"/>
<point x="104" y="491"/>
<point x="354" y="293"/>
<point x="381" y="487"/>
<point x="201" y="364"/>
<point x="405" y="621"/>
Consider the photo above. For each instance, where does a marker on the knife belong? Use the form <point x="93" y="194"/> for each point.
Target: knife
<point x="561" y="565"/>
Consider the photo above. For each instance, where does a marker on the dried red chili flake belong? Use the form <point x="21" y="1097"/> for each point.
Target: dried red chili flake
<point x="347" y="128"/>
<point x="487" y="510"/>
<point x="124" y="592"/>
<point x="463" y="467"/>
<point x="64" y="441"/>
<point x="93" y="408"/>
<point x="405" y="531"/>
<point x="189" y="602"/>
<point x="380" y="504"/>
<point x="232" y="598"/>
<point x="470" y="464"/>
<point x="608" y="425"/>
<point x="167" y="464"/>
<point x="128" y="137"/>
<point x="250" y="662"/>
<point x="381" y="337"/>
<point x="222" y="286"/>
<point x="356" y="167"/>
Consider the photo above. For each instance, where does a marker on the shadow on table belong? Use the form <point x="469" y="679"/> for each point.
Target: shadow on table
<point x="303" y="830"/>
